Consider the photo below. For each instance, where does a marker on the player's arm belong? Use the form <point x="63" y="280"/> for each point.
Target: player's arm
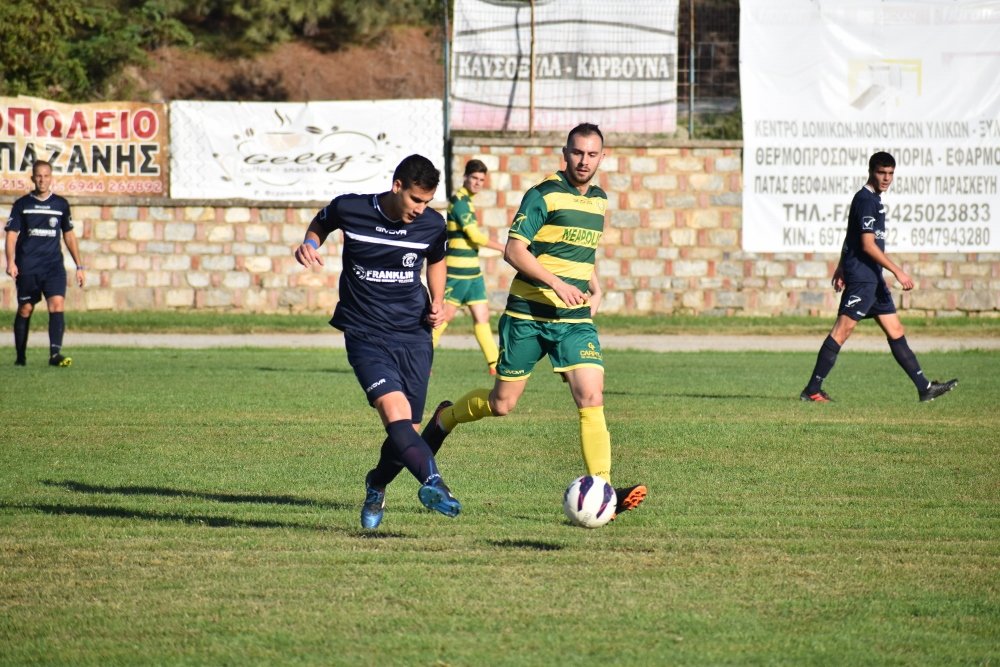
<point x="307" y="254"/>
<point x="437" y="276"/>
<point x="10" y="240"/>
<point x="517" y="254"/>
<point x="871" y="248"/>
<point x="594" y="287"/>
<point x="838" y="281"/>
<point x="69" y="238"/>
<point x="475" y="236"/>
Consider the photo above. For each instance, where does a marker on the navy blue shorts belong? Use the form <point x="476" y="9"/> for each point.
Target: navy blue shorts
<point x="33" y="286"/>
<point x="384" y="365"/>
<point x="864" y="300"/>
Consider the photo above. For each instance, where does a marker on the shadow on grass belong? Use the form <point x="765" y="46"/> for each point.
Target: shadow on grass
<point x="273" y="369"/>
<point x="81" y="487"/>
<point x="677" y="394"/>
<point x="191" y="519"/>
<point x="534" y="545"/>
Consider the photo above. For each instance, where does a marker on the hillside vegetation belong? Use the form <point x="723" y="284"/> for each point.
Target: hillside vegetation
<point x="159" y="50"/>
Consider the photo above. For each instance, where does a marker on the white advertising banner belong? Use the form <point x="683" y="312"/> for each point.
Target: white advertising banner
<point x="271" y="151"/>
<point x="614" y="64"/>
<point x="826" y="83"/>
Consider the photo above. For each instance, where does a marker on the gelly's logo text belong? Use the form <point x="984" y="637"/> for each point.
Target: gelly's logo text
<point x="286" y="153"/>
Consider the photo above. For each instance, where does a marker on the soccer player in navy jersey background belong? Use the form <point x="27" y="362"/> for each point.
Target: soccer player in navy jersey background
<point x="35" y="261"/>
<point x="387" y="316"/>
<point x="859" y="275"/>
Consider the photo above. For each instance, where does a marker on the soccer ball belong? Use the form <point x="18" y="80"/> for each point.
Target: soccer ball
<point x="589" y="502"/>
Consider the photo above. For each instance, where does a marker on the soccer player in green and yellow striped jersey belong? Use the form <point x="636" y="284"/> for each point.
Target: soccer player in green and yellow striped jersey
<point x="553" y="245"/>
<point x="466" y="286"/>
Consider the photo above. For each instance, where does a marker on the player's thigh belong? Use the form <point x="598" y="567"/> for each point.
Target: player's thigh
<point x="521" y="344"/>
<point x="505" y="395"/>
<point x="574" y="346"/>
<point x="53" y="284"/>
<point x="466" y="291"/>
<point x="858" y="300"/>
<point x="586" y="383"/>
<point x="480" y="312"/>
<point x="383" y="366"/>
<point x="29" y="288"/>
<point x="393" y="407"/>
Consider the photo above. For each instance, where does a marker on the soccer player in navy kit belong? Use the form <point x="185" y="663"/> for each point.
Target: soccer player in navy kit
<point x="35" y="261"/>
<point x="387" y="318"/>
<point x="859" y="275"/>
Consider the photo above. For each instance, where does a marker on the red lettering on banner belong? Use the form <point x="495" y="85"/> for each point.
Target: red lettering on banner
<point x="102" y="125"/>
<point x="78" y="124"/>
<point x="41" y="130"/>
<point x="25" y="120"/>
<point x="145" y="124"/>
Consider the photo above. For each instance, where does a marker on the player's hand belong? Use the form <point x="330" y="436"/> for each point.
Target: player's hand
<point x="595" y="303"/>
<point x="838" y="279"/>
<point x="435" y="316"/>
<point x="905" y="281"/>
<point x="307" y="256"/>
<point x="81" y="278"/>
<point x="12" y="270"/>
<point x="568" y="294"/>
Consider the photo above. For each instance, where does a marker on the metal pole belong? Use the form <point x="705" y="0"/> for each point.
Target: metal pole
<point x="531" y="81"/>
<point x="446" y="107"/>
<point x="691" y="69"/>
<point x="447" y="73"/>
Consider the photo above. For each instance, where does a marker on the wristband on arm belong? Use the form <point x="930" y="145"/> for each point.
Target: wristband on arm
<point x="311" y="242"/>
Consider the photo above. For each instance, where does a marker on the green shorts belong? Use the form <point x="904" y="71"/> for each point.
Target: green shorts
<point x="465" y="291"/>
<point x="524" y="342"/>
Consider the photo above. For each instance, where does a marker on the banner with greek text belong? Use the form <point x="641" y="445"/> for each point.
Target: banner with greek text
<point x="311" y="151"/>
<point x="103" y="149"/>
<point x="614" y="64"/>
<point x="826" y="83"/>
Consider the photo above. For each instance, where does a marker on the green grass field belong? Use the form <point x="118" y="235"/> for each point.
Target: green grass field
<point x="171" y="507"/>
<point x="243" y="323"/>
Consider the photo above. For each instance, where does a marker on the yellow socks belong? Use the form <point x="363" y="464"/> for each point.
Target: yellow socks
<point x="472" y="407"/>
<point x="437" y="331"/>
<point x="595" y="442"/>
<point x="485" y="339"/>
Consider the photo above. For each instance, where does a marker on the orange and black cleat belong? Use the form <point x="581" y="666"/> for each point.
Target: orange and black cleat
<point x="629" y="498"/>
<point x="819" y="397"/>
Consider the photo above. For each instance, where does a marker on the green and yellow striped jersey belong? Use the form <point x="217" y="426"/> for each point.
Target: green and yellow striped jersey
<point x="562" y="229"/>
<point x="464" y="237"/>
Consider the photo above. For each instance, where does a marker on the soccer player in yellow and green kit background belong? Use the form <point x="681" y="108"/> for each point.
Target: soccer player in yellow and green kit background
<point x="553" y="245"/>
<point x="466" y="286"/>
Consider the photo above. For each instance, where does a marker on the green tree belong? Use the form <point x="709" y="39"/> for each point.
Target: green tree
<point x="243" y="27"/>
<point x="75" y="51"/>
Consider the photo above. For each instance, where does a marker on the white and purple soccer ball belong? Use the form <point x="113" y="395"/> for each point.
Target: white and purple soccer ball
<point x="589" y="502"/>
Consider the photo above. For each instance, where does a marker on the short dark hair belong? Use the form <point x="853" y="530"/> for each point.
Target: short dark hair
<point x="417" y="170"/>
<point x="475" y="167"/>
<point x="40" y="163"/>
<point x="584" y="129"/>
<point x="880" y="159"/>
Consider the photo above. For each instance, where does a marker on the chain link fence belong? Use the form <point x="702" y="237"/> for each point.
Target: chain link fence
<point x="708" y="81"/>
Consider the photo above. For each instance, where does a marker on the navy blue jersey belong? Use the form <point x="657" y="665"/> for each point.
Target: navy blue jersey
<point x="867" y="216"/>
<point x="40" y="225"/>
<point x="380" y="287"/>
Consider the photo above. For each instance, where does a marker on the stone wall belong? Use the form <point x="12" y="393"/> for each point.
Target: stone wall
<point x="672" y="244"/>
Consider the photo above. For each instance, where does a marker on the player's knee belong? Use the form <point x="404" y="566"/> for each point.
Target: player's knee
<point x="502" y="408"/>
